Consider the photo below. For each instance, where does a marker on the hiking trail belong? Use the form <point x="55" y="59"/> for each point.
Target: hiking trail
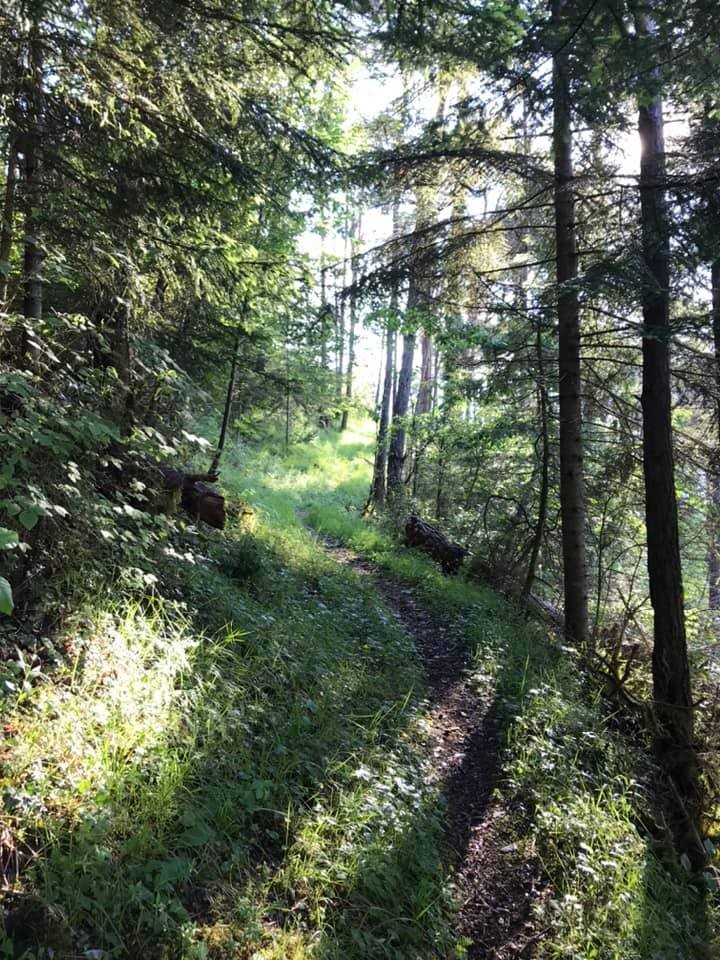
<point x="495" y="885"/>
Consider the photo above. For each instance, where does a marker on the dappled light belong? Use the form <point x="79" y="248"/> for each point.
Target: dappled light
<point x="359" y="480"/>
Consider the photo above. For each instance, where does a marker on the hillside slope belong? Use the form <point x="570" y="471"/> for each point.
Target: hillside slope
<point x="234" y="757"/>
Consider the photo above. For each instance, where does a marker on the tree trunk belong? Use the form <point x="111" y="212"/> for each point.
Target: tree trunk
<point x="8" y="209"/>
<point x="11" y="181"/>
<point x="396" y="371"/>
<point x="355" y="229"/>
<point x="8" y="213"/>
<point x="572" y="492"/>
<point x="381" y="373"/>
<point x="340" y="308"/>
<point x="323" y="309"/>
<point x="423" y="404"/>
<point x="32" y="186"/>
<point x="379" y="486"/>
<point x="396" y="456"/>
<point x="671" y="673"/>
<point x="542" y="393"/>
<point x="714" y="472"/>
<point x="230" y="391"/>
<point x="340" y="346"/>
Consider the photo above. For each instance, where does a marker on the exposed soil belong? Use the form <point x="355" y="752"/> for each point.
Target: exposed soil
<point x="495" y="884"/>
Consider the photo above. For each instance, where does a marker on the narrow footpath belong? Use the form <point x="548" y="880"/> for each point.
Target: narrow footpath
<point x="495" y="885"/>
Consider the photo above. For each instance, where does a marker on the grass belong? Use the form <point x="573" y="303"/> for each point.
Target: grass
<point x="583" y="786"/>
<point x="233" y="765"/>
<point x="237" y="773"/>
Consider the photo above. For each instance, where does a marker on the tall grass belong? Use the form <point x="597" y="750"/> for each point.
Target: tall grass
<point x="233" y="765"/>
<point x="239" y="773"/>
<point x="581" y="785"/>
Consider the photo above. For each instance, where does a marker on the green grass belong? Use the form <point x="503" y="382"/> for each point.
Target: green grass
<point x="583" y="788"/>
<point x="238" y="773"/>
<point x="234" y="766"/>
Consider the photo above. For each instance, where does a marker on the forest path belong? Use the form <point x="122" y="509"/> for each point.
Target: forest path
<point x="495" y="886"/>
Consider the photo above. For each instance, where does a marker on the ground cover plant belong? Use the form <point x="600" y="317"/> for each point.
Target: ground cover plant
<point x="238" y="771"/>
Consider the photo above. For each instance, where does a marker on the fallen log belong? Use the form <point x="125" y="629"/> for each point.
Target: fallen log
<point x="193" y="494"/>
<point x="420" y="533"/>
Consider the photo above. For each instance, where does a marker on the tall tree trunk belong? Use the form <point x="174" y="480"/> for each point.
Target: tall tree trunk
<point x="381" y="453"/>
<point x="340" y="346"/>
<point x="230" y="389"/>
<point x="378" y="491"/>
<point x="356" y="227"/>
<point x="8" y="208"/>
<point x="714" y="472"/>
<point x="340" y="308"/>
<point x="572" y="492"/>
<point x="381" y="373"/>
<point x="323" y="308"/>
<point x="671" y="673"/>
<point x="396" y="456"/>
<point x="396" y="371"/>
<point x="8" y="213"/>
<point x="32" y="185"/>
<point x="423" y="404"/>
<point x="543" y="416"/>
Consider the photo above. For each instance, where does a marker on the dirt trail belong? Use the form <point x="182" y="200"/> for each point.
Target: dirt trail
<point x="495" y="885"/>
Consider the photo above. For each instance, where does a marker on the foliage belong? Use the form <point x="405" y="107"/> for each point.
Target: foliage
<point x="242" y="770"/>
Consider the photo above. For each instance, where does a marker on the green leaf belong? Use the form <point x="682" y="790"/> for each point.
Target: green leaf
<point x="197" y="835"/>
<point x="8" y="539"/>
<point x="6" y="597"/>
<point x="29" y="518"/>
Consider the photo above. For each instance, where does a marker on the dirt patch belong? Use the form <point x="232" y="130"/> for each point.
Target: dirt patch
<point x="496" y="886"/>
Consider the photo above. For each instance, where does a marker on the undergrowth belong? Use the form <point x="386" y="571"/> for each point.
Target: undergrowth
<point x="227" y="760"/>
<point x="580" y="781"/>
<point x="235" y="773"/>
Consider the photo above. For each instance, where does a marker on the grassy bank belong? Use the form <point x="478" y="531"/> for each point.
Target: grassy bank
<point x="582" y="784"/>
<point x="229" y="763"/>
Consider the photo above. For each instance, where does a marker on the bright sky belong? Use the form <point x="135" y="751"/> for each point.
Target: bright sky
<point x="371" y="94"/>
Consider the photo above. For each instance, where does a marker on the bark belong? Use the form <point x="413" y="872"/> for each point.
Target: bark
<point x="671" y="673"/>
<point x="288" y="398"/>
<point x="542" y="395"/>
<point x="323" y="308"/>
<point x="32" y="180"/>
<point x="8" y="209"/>
<point x="8" y="213"/>
<point x="381" y="373"/>
<point x="340" y="347"/>
<point x="572" y="492"/>
<point x="356" y="226"/>
<point x="423" y="404"/>
<point x="340" y="309"/>
<point x="396" y="372"/>
<point x="714" y="473"/>
<point x="230" y="393"/>
<point x="379" y="488"/>
<point x="396" y="456"/>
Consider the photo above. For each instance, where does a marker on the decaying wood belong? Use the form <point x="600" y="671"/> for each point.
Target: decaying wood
<point x="420" y="533"/>
<point x="195" y="496"/>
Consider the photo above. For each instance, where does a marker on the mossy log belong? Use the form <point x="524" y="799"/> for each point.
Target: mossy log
<point x="420" y="533"/>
